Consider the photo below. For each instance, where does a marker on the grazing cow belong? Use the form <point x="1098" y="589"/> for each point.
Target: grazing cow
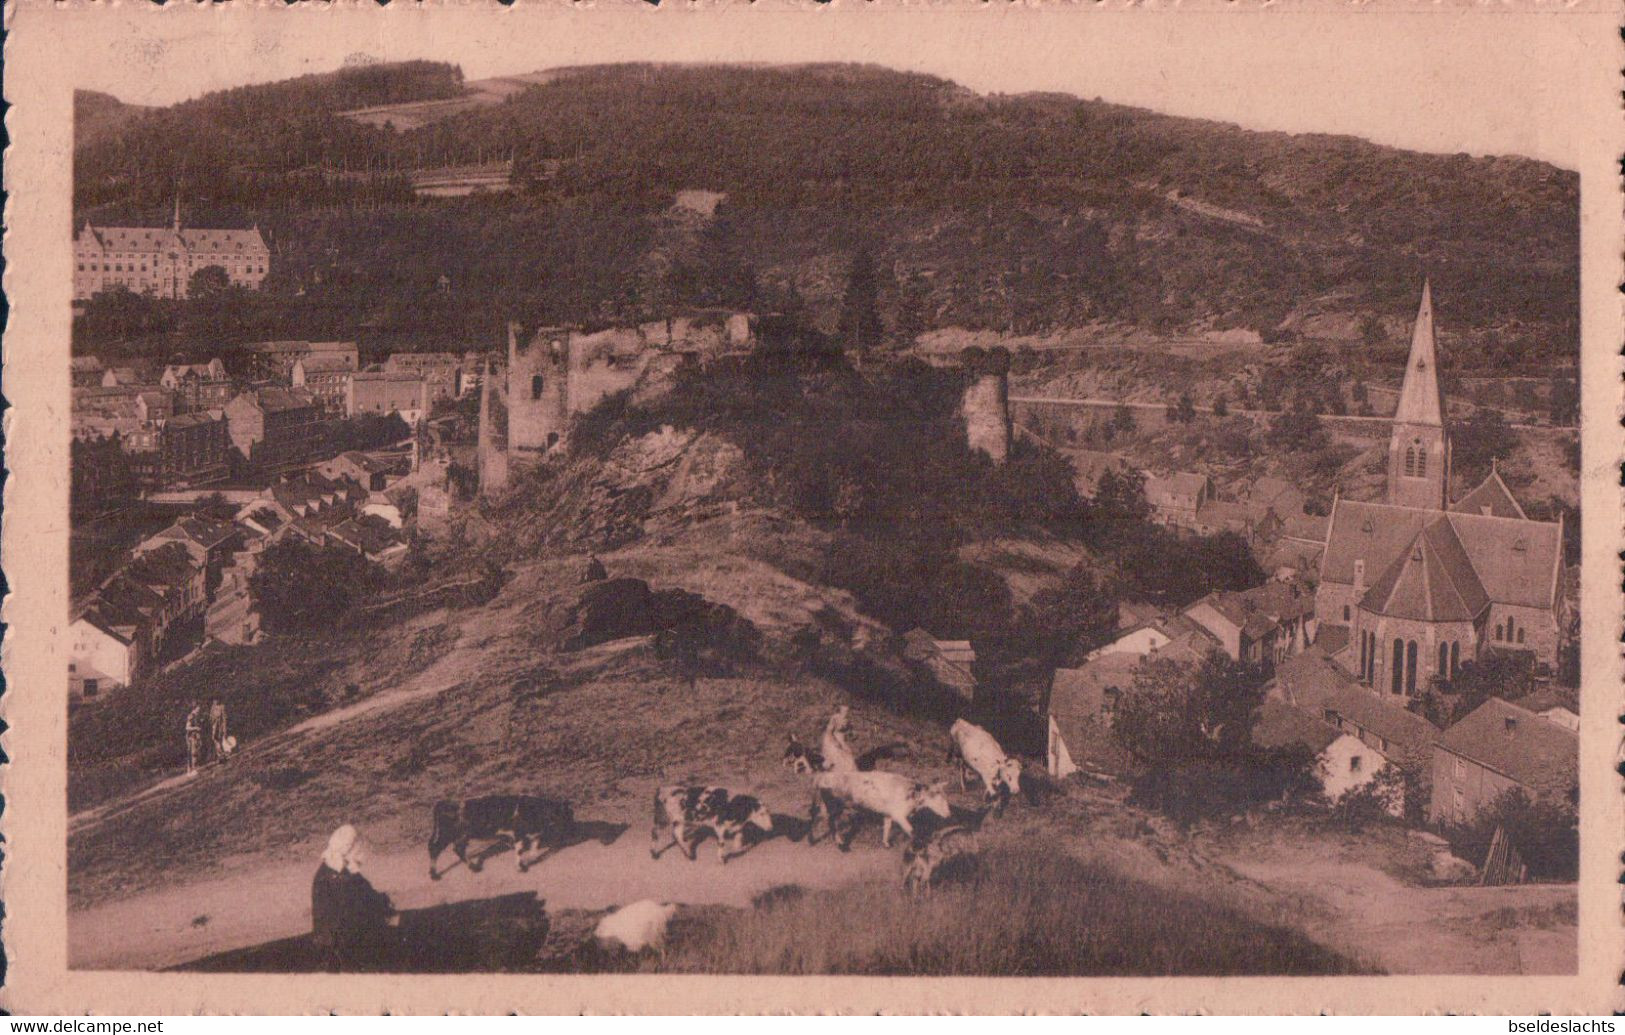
<point x="641" y="925"/>
<point x="838" y="755"/>
<point x="891" y="796"/>
<point x="800" y="758"/>
<point x="924" y="856"/>
<point x="976" y="751"/>
<point x="684" y="814"/>
<point x="523" y="821"/>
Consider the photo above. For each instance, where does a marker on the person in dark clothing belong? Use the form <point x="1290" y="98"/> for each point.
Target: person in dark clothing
<point x="595" y="570"/>
<point x="350" y="920"/>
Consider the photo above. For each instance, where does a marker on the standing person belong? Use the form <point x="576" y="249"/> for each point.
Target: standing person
<point x="194" y="738"/>
<point x="217" y="729"/>
<point x="349" y="918"/>
<point x="595" y="570"/>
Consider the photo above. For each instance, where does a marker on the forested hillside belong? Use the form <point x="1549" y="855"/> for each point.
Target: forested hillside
<point x="1022" y="212"/>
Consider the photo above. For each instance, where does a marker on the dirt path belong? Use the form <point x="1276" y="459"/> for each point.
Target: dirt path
<point x="1405" y="929"/>
<point x="256" y="904"/>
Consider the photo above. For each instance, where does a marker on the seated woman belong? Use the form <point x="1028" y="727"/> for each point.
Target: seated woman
<point x="350" y="920"/>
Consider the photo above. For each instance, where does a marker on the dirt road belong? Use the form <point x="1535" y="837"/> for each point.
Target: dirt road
<point x="257" y="903"/>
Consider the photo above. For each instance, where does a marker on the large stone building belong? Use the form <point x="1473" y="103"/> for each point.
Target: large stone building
<point x="275" y="359"/>
<point x="198" y="386"/>
<point x="1421" y="586"/>
<point x="381" y="394"/>
<point x="161" y="260"/>
<point x="275" y="427"/>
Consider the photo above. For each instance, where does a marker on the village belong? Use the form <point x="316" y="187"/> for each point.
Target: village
<point x="1413" y="644"/>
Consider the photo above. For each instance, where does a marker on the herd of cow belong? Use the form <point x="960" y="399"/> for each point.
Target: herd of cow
<point x="843" y="792"/>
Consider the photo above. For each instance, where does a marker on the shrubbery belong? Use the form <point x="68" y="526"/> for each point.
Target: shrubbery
<point x="299" y="587"/>
<point x="1545" y="833"/>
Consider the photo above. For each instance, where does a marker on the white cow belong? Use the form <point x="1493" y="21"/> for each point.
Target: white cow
<point x="891" y="796"/>
<point x="638" y="926"/>
<point x="837" y="752"/>
<point x="976" y="751"/>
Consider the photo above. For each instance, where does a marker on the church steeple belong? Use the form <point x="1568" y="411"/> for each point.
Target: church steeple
<point x="1419" y="449"/>
<point x="177" y="223"/>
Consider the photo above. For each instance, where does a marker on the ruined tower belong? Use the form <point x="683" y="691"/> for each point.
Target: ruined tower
<point x="538" y="388"/>
<point x="493" y="462"/>
<point x="1419" y="448"/>
<point x="985" y="406"/>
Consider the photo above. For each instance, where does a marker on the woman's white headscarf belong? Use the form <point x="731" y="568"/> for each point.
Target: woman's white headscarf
<point x="343" y="850"/>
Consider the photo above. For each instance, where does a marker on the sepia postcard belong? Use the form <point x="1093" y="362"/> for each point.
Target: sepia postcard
<point x="781" y="507"/>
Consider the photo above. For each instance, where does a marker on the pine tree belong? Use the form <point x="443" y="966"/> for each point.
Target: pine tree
<point x="860" y="306"/>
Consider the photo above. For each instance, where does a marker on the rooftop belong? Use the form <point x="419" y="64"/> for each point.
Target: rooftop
<point x="1519" y="744"/>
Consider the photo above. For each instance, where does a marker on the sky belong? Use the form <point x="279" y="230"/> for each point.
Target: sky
<point x="1433" y="77"/>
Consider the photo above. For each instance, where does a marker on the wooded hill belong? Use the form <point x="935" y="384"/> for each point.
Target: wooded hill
<point x="1024" y="212"/>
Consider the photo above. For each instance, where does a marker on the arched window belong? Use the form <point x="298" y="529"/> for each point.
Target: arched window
<point x="1498" y="632"/>
<point x="1520" y="634"/>
<point x="536" y="386"/>
<point x="1416" y="459"/>
<point x="1398" y="685"/>
<point x="1363" y="657"/>
<point x="1443" y="671"/>
<point x="1345" y="612"/>
<point x="1455" y="658"/>
<point x="1410" y="667"/>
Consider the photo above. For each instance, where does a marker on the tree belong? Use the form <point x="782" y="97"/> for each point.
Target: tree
<point x="1174" y="713"/>
<point x="1057" y="627"/>
<point x="1546" y="833"/>
<point x="1484" y="438"/>
<point x="912" y="299"/>
<point x="1563" y="399"/>
<point x="299" y="587"/>
<point x="208" y="281"/>
<point x="1297" y="430"/>
<point x="1184" y="410"/>
<point x="1122" y="419"/>
<point x="860" y="323"/>
<point x="1221" y="406"/>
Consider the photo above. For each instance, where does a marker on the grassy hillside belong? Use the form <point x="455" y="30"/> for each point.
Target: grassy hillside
<point x="1023" y="212"/>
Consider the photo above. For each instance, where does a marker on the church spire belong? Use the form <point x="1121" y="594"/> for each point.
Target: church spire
<point x="1420" y="401"/>
<point x="1419" y="449"/>
<point x="177" y="223"/>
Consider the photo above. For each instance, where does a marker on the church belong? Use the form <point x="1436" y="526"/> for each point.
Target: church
<point x="1420" y="585"/>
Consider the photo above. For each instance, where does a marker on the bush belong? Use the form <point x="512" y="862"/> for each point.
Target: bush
<point x="1021" y="912"/>
<point x="300" y="587"/>
<point x="1545" y="833"/>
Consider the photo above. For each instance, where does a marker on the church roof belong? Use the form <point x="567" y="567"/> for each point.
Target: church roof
<point x="1490" y="497"/>
<point x="1431" y="580"/>
<point x="1420" y="401"/>
<point x="153" y="239"/>
<point x="1515" y="561"/>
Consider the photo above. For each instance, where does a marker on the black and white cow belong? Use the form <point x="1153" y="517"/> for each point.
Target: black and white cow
<point x="976" y="751"/>
<point x="522" y="821"/>
<point x="895" y="798"/>
<point x="682" y="815"/>
<point x="801" y="758"/>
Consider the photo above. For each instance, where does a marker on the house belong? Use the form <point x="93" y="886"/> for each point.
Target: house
<point x="371" y="537"/>
<point x="1091" y="465"/>
<point x="275" y="428"/>
<point x="86" y="371"/>
<point x="1264" y="625"/>
<point x="1500" y="747"/>
<point x="381" y="393"/>
<point x="208" y="542"/>
<point x="275" y="359"/>
<point x="106" y="650"/>
<point x="1382" y="730"/>
<point x="369" y="471"/>
<point x="1320" y="687"/>
<point x="1176" y="498"/>
<point x="1423" y="585"/>
<point x="198" y="386"/>
<point x="949" y="663"/>
<point x="1343" y="762"/>
<point x="194" y="449"/>
<point x="439" y="371"/>
<point x="327" y="377"/>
